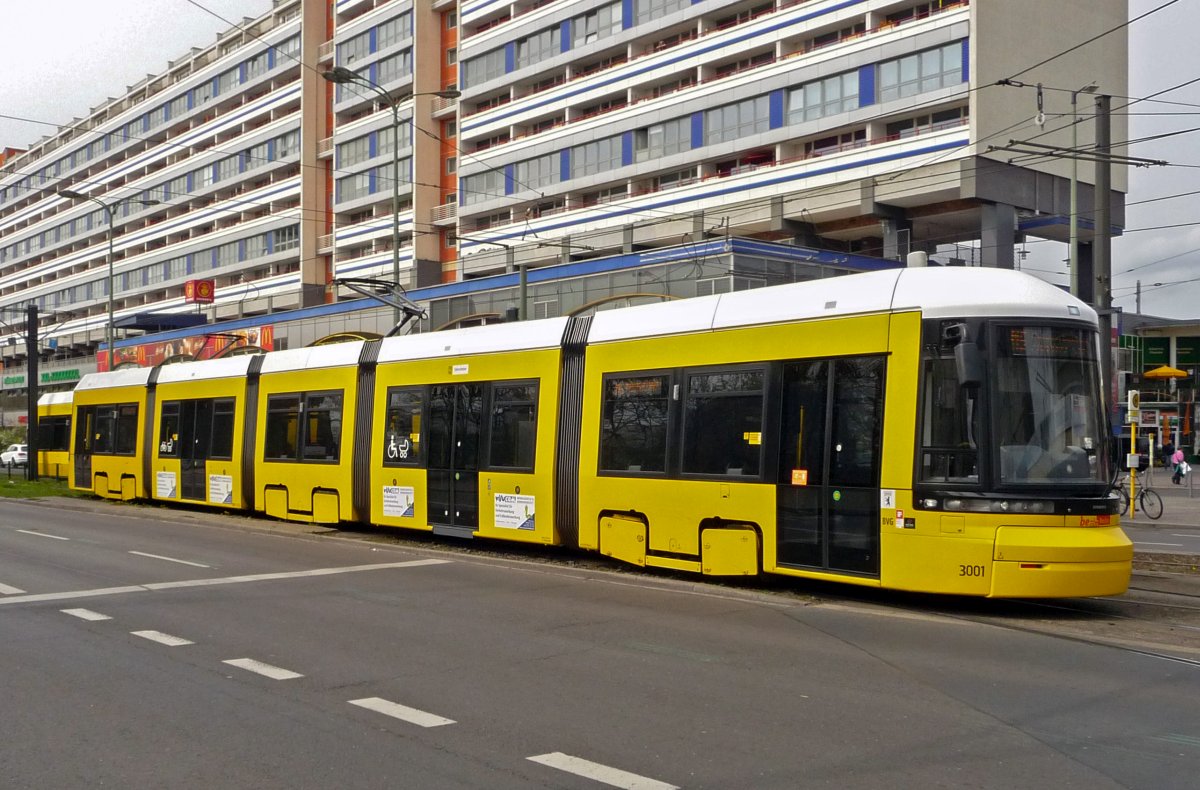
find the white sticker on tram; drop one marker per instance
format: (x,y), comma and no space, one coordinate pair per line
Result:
(401,712)
(614,777)
(163,639)
(266,670)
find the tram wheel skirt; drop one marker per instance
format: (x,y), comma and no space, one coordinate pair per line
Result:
(1058,579)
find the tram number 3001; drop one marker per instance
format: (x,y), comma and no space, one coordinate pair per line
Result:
(971,570)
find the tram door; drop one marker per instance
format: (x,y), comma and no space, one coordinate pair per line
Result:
(195,433)
(85,430)
(455,419)
(829,464)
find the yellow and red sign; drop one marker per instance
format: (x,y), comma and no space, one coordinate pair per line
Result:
(199,291)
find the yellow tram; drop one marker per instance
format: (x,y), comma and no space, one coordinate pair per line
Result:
(922,429)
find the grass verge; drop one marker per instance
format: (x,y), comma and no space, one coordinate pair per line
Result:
(18,487)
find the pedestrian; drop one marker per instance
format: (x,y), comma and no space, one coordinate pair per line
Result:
(1179,465)
(1168,450)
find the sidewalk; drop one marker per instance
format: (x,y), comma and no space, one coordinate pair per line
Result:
(1181,503)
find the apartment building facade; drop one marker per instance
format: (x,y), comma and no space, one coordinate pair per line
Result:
(582,128)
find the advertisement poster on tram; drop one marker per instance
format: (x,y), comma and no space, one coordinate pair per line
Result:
(196,347)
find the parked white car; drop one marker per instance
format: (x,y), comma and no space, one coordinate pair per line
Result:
(15,455)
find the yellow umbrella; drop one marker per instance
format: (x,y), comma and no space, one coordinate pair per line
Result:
(1165,372)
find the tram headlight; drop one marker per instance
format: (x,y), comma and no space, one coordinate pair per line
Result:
(1012,506)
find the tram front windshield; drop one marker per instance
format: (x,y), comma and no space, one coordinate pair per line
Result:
(1031,418)
(1047,409)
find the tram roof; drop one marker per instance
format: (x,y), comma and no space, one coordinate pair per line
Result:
(313,357)
(124,377)
(935,292)
(226,368)
(518,336)
(52,398)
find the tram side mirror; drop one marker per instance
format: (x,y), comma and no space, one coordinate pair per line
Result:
(968,361)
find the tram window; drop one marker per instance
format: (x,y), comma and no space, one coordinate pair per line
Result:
(168,431)
(283,420)
(723,423)
(857,423)
(402,442)
(514,425)
(126,429)
(106,420)
(633,428)
(323,426)
(802,443)
(54,434)
(222,430)
(950,428)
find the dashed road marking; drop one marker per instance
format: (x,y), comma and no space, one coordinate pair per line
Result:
(169,559)
(163,639)
(258,577)
(37,534)
(1148,543)
(86,614)
(275,673)
(8,590)
(613,777)
(402,712)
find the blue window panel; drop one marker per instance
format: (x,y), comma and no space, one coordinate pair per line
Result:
(146,122)
(966,60)
(626,148)
(374,72)
(510,179)
(270,150)
(564,165)
(510,56)
(212,258)
(166,272)
(866,85)
(191,100)
(628,17)
(270,243)
(241,73)
(697,130)
(241,249)
(373,181)
(564,36)
(270,58)
(191,263)
(216,174)
(190,178)
(373,145)
(775,109)
(216,88)
(373,37)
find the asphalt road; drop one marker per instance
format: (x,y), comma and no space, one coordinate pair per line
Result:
(231,657)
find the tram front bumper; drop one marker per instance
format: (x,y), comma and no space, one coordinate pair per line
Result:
(1061,562)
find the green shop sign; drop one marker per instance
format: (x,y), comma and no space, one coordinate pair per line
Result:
(1156,351)
(1187,350)
(14,381)
(57,376)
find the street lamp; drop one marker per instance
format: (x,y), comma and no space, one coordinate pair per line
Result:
(1074,254)
(109,210)
(340,75)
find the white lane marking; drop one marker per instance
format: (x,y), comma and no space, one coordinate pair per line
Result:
(62,596)
(42,534)
(7,590)
(1148,543)
(275,673)
(600,773)
(402,712)
(1177,535)
(163,639)
(86,614)
(169,559)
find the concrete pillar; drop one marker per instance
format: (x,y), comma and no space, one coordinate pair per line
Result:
(997,235)
(897,237)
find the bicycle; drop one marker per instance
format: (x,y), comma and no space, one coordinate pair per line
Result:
(1148,500)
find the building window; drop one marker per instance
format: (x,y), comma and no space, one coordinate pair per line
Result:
(451,56)
(482,186)
(395,67)
(386,135)
(597,24)
(535,173)
(482,68)
(645,10)
(662,139)
(540,46)
(920,73)
(451,164)
(823,97)
(354,151)
(287,238)
(393,30)
(354,49)
(598,156)
(734,121)
(633,423)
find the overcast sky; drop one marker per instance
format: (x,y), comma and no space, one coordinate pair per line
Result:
(61,57)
